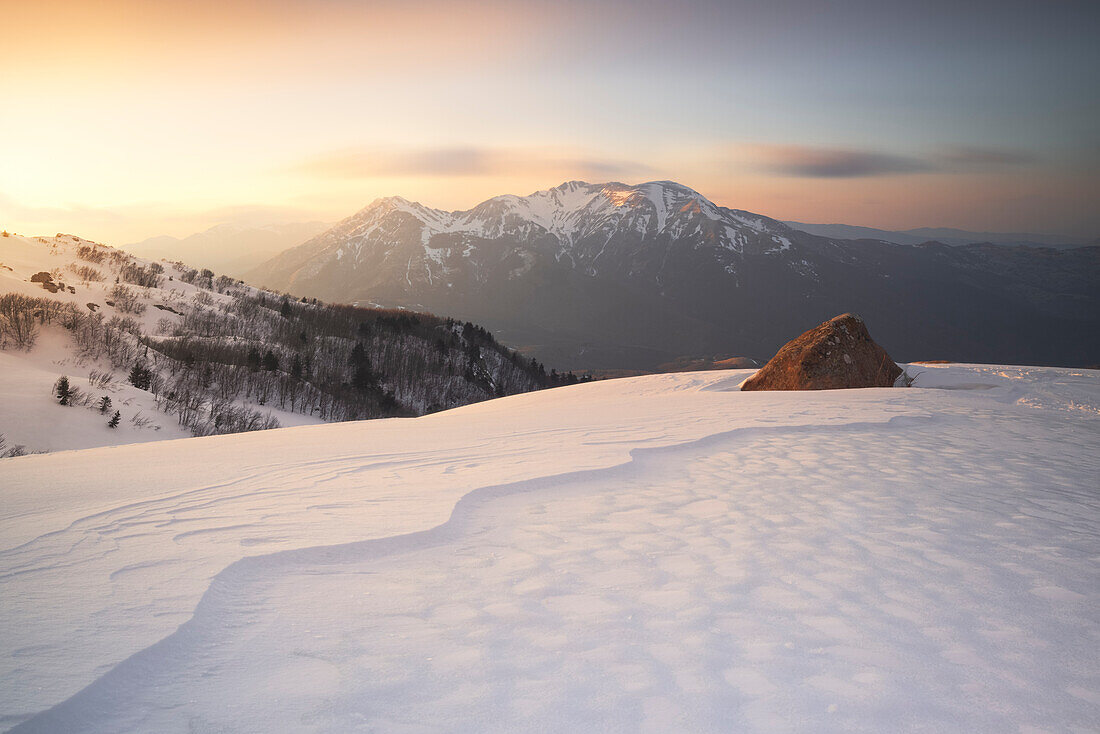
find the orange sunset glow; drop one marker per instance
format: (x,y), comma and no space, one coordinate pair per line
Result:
(130,119)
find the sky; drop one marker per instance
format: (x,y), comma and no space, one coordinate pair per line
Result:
(124,120)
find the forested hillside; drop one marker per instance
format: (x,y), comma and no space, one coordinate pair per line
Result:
(221,356)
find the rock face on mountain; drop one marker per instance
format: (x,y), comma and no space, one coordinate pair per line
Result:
(837,354)
(602,276)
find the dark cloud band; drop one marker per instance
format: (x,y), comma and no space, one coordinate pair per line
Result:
(808,162)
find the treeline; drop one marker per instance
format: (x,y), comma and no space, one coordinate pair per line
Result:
(342,362)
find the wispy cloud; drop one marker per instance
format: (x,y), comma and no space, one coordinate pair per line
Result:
(971,158)
(810,162)
(464,161)
(797,160)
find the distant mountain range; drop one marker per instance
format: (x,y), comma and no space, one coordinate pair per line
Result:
(617,276)
(228,248)
(945,235)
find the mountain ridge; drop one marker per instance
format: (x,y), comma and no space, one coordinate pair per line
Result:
(604,276)
(569,213)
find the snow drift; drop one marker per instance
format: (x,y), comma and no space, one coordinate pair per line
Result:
(653,554)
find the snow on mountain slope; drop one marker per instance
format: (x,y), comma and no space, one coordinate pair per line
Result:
(29,416)
(653,554)
(566,212)
(577,222)
(611,276)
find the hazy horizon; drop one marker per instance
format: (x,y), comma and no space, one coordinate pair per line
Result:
(254,221)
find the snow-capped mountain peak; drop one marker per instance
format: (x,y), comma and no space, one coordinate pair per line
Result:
(564,212)
(633,233)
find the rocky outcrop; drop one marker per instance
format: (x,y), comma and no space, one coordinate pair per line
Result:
(836,354)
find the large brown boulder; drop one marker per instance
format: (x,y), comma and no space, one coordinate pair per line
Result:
(838,353)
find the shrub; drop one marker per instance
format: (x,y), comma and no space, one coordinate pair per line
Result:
(16,450)
(18,325)
(905,379)
(99,379)
(91,253)
(86,273)
(138,275)
(127,300)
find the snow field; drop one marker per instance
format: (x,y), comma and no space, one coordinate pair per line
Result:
(656,554)
(142,529)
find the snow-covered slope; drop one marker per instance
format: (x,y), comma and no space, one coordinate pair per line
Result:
(661,553)
(218,356)
(28,416)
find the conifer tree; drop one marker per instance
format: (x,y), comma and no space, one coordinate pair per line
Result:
(362,377)
(104,404)
(140,376)
(113,423)
(271,362)
(63,391)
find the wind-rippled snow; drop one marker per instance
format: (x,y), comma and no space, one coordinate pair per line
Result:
(656,554)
